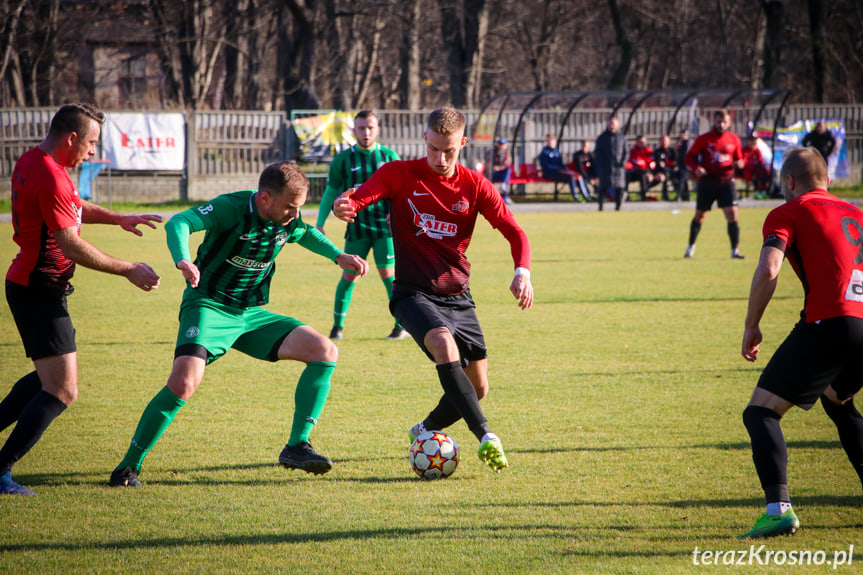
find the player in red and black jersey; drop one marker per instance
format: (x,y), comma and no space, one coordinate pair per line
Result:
(712,158)
(47,214)
(434,205)
(822,357)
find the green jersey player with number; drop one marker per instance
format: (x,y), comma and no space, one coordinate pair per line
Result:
(371,230)
(227,284)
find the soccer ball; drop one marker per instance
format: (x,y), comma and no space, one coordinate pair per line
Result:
(434,455)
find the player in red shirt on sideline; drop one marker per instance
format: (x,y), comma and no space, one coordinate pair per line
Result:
(641,158)
(822,357)
(434,207)
(47,214)
(712,158)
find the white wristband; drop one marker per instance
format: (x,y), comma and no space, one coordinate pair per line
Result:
(522,272)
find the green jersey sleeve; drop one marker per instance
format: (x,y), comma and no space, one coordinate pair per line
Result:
(318,243)
(335,187)
(183,224)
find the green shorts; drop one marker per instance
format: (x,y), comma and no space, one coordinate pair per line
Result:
(383,248)
(216,328)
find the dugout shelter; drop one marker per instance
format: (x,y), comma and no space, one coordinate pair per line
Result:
(524,118)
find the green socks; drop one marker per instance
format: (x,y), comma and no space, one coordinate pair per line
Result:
(309,399)
(344,293)
(157,416)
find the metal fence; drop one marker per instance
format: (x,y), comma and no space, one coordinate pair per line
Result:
(237,143)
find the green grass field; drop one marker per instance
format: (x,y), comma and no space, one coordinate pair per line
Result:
(618,398)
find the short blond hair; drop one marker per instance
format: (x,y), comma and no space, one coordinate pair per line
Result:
(446,121)
(806,166)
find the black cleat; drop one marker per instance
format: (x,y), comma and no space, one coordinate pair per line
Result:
(126,477)
(398,332)
(301,456)
(337,333)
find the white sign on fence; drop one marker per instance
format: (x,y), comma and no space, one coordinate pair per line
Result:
(144,141)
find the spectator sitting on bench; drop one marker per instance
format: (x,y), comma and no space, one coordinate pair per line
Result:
(663,159)
(755,170)
(501,168)
(552,166)
(641,159)
(583,160)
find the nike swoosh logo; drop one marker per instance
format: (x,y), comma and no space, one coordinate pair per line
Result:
(416,193)
(354,169)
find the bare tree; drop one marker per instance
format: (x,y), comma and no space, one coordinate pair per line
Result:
(621,72)
(817,37)
(463,31)
(774,11)
(409,60)
(192,36)
(10,14)
(537,44)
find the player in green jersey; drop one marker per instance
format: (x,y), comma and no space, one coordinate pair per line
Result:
(226,285)
(371,230)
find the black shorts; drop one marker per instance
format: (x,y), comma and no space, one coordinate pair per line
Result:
(709,191)
(813,356)
(42,319)
(419,312)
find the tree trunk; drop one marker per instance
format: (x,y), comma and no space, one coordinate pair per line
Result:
(621,73)
(370,63)
(409,89)
(476,30)
(816,28)
(464,51)
(539,51)
(7,35)
(774,10)
(236,51)
(297,55)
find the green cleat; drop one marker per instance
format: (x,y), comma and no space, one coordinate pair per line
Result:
(773,525)
(491,453)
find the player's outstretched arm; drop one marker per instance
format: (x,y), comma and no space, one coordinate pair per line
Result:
(343,206)
(96,214)
(86,254)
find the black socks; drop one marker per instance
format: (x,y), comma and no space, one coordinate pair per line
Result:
(34,419)
(769,452)
(20,395)
(459,392)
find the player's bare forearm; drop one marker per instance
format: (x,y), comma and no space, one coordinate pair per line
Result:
(352,263)
(764,282)
(86,254)
(190,272)
(96,214)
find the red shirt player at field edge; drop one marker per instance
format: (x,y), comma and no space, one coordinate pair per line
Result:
(434,206)
(822,357)
(47,214)
(712,158)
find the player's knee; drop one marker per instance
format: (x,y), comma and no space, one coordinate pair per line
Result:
(68,395)
(481,390)
(755,416)
(182,385)
(441,345)
(329,351)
